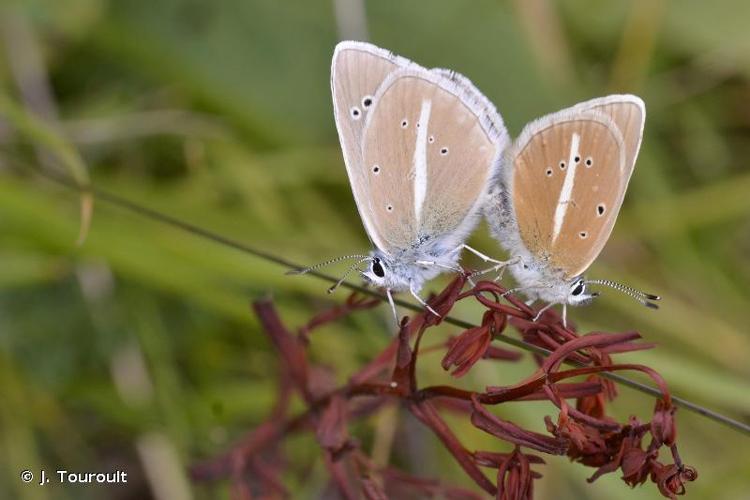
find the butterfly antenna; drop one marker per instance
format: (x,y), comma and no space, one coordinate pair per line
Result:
(326,263)
(642,297)
(347,273)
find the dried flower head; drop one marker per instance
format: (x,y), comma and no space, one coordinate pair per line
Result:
(582,430)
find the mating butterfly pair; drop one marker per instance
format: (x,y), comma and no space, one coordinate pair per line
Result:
(427,154)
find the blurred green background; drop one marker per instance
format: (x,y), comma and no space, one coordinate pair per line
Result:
(137,350)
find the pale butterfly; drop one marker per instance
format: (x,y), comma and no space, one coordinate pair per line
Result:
(420,147)
(560,191)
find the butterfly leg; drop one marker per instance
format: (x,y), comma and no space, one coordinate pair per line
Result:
(482,256)
(444,266)
(500,265)
(541,311)
(511,291)
(424,304)
(565,315)
(531,300)
(393,305)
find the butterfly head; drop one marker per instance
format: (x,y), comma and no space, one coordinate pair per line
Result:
(578,293)
(377,272)
(397,273)
(384,271)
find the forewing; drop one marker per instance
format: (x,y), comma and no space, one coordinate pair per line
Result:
(357,70)
(564,167)
(464,143)
(430,149)
(629,114)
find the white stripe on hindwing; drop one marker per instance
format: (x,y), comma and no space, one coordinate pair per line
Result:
(420,160)
(567,187)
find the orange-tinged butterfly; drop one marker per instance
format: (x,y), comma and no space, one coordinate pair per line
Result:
(560,191)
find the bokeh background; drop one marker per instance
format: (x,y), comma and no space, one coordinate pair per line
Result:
(137,350)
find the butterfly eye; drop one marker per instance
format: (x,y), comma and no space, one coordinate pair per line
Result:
(377,268)
(578,290)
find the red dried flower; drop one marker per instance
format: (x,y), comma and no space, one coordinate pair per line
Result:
(663,427)
(332,430)
(474,344)
(467,349)
(595,405)
(617,445)
(671,478)
(508,431)
(635,465)
(444,301)
(583,431)
(584,440)
(515,478)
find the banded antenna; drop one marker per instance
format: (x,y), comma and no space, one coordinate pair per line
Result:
(642,297)
(327,263)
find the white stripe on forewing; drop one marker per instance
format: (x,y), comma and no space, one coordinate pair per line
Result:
(420,159)
(567,187)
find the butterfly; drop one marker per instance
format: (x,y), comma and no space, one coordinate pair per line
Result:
(421,148)
(559,193)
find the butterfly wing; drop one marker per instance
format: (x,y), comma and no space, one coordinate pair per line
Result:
(357,71)
(629,114)
(568,175)
(430,147)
